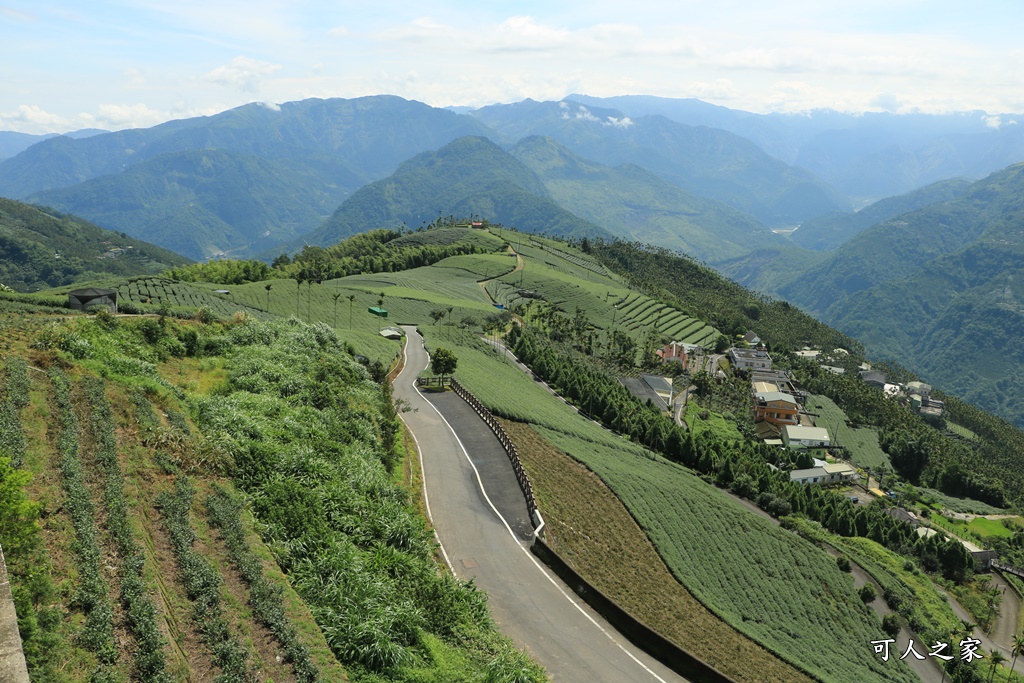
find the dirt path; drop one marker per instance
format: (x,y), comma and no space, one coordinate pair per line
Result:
(1005,627)
(483,283)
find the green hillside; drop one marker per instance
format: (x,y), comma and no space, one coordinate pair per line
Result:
(471,176)
(41,248)
(209,202)
(825,233)
(635,204)
(589,312)
(220,501)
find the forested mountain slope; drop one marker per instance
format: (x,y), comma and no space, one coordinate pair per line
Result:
(40,248)
(470,176)
(936,290)
(210,202)
(635,204)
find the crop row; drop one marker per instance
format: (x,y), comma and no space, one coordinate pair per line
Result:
(149,660)
(154,291)
(91,594)
(264,597)
(202,583)
(12,436)
(575,259)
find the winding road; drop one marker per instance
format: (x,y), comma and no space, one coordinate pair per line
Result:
(529,603)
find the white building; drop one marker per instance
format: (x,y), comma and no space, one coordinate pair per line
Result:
(798,436)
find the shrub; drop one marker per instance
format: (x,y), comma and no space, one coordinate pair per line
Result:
(867,593)
(844,564)
(204,315)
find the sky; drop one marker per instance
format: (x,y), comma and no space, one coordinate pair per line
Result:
(115,64)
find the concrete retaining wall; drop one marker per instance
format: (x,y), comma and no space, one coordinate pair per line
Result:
(645,638)
(12,659)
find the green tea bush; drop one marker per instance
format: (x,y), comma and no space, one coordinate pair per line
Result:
(202,583)
(16,382)
(265,598)
(91,591)
(149,661)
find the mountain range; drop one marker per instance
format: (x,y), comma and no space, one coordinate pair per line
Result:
(865,156)
(925,276)
(334,147)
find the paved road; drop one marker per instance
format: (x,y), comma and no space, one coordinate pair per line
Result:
(529,604)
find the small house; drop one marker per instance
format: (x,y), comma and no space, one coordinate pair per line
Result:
(873,378)
(837,472)
(919,388)
(776,407)
(812,475)
(799,436)
(831,473)
(92,297)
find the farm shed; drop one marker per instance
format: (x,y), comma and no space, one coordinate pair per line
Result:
(84,299)
(832,473)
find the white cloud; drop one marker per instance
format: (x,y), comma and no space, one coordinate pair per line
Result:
(339,31)
(29,118)
(117,116)
(134,77)
(243,73)
(624,122)
(271,106)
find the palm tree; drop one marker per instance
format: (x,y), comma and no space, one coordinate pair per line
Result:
(1018,647)
(336,296)
(300,277)
(267,287)
(997,658)
(351,301)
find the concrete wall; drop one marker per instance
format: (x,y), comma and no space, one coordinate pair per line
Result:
(12,659)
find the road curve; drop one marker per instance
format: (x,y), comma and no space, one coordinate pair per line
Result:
(529,604)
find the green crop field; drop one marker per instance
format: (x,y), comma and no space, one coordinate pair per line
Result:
(862,442)
(961,431)
(767,583)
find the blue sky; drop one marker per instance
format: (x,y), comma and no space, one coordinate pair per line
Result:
(115,64)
